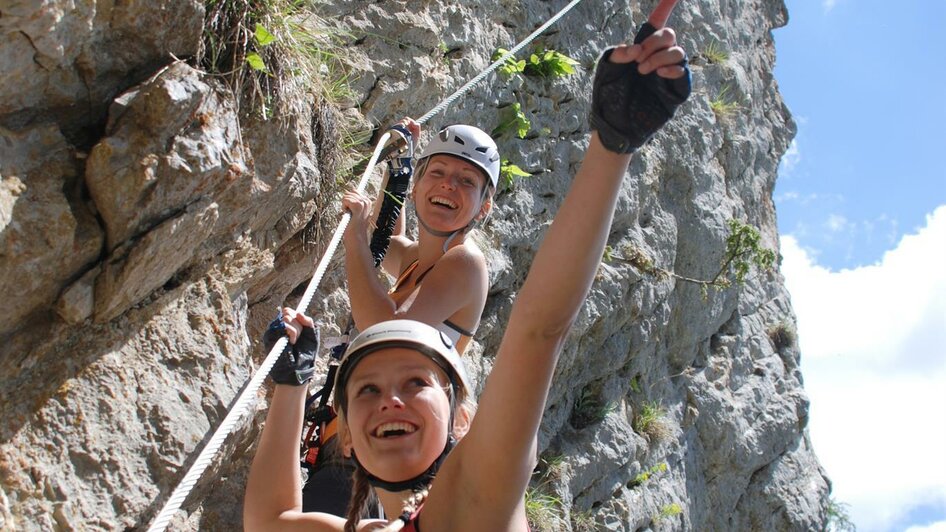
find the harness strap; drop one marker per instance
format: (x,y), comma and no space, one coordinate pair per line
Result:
(400,171)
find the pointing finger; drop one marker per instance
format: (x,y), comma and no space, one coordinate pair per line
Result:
(659,16)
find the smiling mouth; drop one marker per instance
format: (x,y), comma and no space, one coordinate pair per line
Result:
(443,202)
(390,430)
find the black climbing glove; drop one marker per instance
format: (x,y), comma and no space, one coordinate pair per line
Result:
(627,108)
(295,364)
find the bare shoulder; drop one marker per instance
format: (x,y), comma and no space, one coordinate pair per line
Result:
(468,254)
(402,251)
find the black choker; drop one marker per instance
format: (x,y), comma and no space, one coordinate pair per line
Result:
(420,481)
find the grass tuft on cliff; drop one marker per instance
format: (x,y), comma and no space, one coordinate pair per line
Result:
(275,55)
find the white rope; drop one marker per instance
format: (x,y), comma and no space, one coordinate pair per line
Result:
(479,77)
(248,395)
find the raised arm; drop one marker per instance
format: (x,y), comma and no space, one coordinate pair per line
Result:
(513,400)
(273,499)
(400,226)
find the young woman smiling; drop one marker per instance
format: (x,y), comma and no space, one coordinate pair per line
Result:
(441,277)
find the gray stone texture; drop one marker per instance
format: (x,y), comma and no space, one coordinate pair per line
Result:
(148,231)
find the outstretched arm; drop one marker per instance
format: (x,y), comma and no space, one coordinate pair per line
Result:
(513,400)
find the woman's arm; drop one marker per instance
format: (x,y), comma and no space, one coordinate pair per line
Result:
(457,280)
(273,499)
(513,400)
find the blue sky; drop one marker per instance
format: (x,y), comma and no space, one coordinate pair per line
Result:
(861,204)
(867,89)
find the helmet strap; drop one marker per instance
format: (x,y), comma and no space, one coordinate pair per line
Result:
(418,482)
(427,476)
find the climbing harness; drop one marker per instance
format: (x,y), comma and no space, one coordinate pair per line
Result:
(248,396)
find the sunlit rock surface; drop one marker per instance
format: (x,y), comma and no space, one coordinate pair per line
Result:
(148,231)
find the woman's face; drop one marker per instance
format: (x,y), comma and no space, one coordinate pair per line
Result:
(449,193)
(397,413)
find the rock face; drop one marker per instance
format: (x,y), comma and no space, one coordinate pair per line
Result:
(148,229)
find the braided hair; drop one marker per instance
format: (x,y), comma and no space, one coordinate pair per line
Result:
(359,497)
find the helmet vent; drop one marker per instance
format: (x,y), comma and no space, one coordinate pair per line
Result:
(482,149)
(458,140)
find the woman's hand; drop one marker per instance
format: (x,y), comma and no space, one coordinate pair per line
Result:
(295,365)
(659,52)
(294,323)
(411,125)
(361,210)
(637,88)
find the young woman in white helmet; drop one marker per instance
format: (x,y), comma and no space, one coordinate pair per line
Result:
(441,277)
(401,389)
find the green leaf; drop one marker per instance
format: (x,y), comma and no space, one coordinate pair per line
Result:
(509,172)
(262,36)
(255,61)
(512,117)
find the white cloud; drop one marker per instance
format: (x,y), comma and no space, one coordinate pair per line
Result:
(933,527)
(836,223)
(873,343)
(790,160)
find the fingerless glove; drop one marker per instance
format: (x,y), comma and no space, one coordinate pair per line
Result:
(627,108)
(295,365)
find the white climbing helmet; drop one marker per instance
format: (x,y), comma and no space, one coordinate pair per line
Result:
(408,334)
(469,143)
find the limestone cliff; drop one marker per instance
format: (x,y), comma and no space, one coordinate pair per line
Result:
(148,228)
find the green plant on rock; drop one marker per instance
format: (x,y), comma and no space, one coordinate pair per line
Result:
(651,421)
(509,173)
(608,255)
(542,63)
(589,408)
(743,253)
(714,52)
(543,511)
(839,520)
(723,104)
(511,118)
(583,521)
(275,55)
(641,478)
(444,51)
(549,64)
(668,510)
(511,66)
